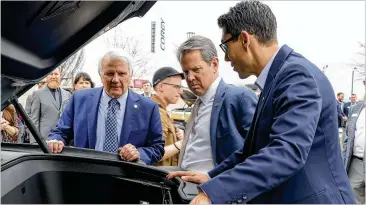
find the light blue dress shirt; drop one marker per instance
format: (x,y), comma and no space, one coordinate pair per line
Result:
(102,117)
(261,80)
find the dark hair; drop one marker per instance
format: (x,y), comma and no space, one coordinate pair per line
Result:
(253,17)
(85,76)
(340,94)
(146,82)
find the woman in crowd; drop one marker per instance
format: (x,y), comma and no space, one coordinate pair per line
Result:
(82,81)
(9,125)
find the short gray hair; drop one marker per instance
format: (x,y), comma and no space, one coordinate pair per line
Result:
(116,54)
(197,42)
(253,17)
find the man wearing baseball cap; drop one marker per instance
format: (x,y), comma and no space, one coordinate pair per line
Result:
(167,85)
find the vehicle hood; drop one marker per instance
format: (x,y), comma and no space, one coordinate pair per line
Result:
(37,36)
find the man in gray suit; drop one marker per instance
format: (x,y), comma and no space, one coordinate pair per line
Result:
(354,150)
(28,102)
(46,103)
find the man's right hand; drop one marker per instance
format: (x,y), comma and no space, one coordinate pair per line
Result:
(55,146)
(190,176)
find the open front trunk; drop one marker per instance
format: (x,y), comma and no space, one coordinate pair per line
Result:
(62,179)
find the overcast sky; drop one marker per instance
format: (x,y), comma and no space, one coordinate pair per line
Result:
(327,33)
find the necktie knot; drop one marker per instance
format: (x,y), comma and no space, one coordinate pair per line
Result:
(113,102)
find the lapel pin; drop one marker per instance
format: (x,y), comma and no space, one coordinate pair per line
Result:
(135,106)
(217,105)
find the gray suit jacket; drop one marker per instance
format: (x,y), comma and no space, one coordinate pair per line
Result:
(45,111)
(349,134)
(28,104)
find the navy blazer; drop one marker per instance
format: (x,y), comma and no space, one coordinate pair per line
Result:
(232,114)
(340,114)
(141,125)
(292,152)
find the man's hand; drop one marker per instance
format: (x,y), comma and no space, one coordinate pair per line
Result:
(345,118)
(201,198)
(190,176)
(55,146)
(129,153)
(179,133)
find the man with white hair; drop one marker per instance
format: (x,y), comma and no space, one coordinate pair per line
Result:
(112,118)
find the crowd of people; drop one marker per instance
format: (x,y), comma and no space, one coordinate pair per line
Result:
(279,147)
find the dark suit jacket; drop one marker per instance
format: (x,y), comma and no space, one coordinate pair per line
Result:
(141,124)
(340,114)
(232,114)
(292,152)
(346,108)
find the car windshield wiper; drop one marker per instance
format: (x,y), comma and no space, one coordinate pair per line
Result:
(37,136)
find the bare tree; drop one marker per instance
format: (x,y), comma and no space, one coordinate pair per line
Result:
(140,58)
(71,66)
(360,64)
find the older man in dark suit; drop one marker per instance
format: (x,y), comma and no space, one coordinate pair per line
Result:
(112,118)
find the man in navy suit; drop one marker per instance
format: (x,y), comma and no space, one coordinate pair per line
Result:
(112,118)
(349,105)
(291,153)
(222,115)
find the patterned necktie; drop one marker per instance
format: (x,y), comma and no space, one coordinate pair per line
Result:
(111,135)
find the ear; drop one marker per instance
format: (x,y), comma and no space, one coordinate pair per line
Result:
(215,64)
(160,87)
(244,37)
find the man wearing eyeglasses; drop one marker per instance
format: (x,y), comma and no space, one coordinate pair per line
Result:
(292,152)
(222,114)
(167,85)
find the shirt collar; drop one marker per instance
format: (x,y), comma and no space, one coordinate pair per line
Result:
(122,99)
(261,80)
(205,98)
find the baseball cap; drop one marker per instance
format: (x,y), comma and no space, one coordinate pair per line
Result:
(163,73)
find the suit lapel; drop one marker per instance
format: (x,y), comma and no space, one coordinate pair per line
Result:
(50,96)
(131,111)
(93,105)
(277,64)
(216,107)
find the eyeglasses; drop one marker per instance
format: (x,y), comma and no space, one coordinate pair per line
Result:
(178,87)
(223,45)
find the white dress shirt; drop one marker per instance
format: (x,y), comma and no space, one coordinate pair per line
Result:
(198,153)
(360,134)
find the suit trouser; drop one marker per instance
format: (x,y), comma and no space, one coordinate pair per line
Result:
(356,176)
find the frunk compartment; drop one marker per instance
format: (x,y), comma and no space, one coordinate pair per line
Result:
(88,188)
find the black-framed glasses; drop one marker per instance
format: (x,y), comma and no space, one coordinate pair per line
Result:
(178,87)
(223,45)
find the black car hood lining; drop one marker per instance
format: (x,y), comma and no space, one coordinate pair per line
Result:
(37,36)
